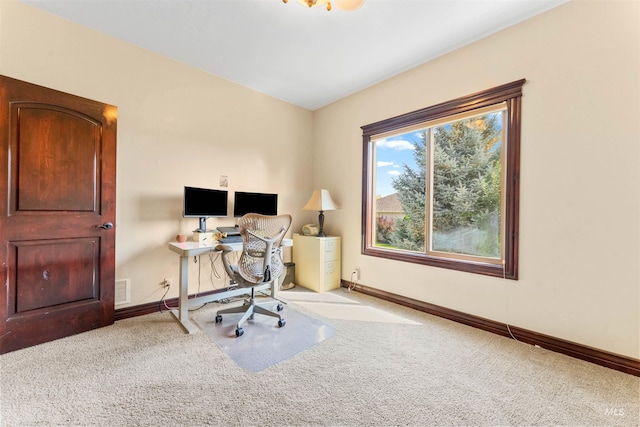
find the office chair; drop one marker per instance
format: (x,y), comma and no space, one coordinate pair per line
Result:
(259,263)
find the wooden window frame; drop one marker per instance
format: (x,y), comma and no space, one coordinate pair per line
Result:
(511,94)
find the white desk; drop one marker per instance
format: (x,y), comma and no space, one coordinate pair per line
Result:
(189,249)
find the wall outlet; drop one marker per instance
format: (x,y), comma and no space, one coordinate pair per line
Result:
(355,274)
(167,282)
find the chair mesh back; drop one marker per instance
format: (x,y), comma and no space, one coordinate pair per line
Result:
(251,263)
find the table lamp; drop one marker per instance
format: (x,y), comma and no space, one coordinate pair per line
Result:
(320,201)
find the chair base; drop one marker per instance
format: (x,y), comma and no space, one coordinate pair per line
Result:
(249,309)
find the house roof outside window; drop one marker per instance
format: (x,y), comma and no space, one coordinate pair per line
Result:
(389,205)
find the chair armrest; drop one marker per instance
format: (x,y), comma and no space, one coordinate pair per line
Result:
(226,249)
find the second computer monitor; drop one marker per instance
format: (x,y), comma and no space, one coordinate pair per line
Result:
(260,203)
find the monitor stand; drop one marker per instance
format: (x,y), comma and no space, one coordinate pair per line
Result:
(202,227)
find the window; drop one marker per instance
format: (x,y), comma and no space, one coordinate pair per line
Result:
(440,185)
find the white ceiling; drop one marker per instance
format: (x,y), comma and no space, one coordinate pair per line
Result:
(308,57)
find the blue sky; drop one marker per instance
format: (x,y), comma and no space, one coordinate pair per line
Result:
(391,153)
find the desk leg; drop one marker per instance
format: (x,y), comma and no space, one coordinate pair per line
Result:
(182,314)
(275,288)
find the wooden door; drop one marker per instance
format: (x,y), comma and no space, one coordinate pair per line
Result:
(57,212)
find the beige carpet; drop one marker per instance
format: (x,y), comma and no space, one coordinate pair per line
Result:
(402,368)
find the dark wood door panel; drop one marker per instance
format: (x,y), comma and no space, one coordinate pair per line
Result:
(57,322)
(54,159)
(49,273)
(55,172)
(57,186)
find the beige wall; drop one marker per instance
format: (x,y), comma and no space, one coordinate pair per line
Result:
(176,126)
(580,187)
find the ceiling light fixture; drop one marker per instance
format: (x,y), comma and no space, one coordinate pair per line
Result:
(347,5)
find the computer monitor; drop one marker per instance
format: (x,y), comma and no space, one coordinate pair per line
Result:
(260,203)
(203,203)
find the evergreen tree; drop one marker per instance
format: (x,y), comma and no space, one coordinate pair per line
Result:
(411,185)
(466,172)
(466,188)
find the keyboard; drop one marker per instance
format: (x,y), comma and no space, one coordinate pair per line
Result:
(232,239)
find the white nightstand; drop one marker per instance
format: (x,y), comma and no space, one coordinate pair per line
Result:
(317,262)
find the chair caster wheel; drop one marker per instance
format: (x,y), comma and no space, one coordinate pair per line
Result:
(282,322)
(239,332)
(218,318)
(280,307)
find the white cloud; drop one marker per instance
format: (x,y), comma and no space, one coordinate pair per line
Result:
(383,164)
(395,144)
(394,173)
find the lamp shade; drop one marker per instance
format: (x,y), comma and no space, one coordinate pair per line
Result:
(320,201)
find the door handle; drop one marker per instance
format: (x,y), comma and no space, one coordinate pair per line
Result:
(106,226)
